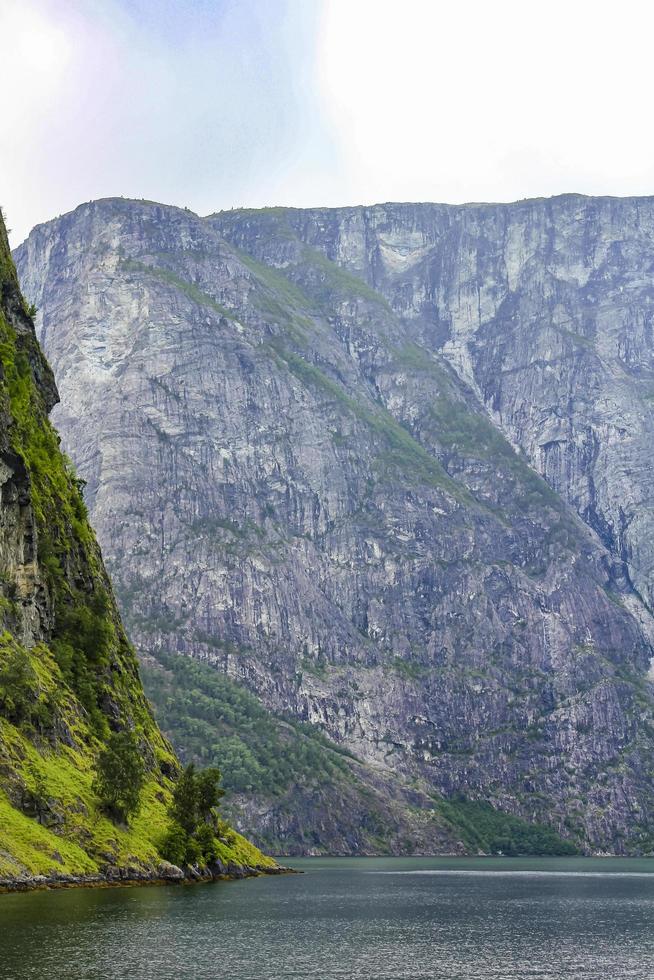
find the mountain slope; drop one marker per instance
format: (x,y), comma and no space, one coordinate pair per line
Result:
(68,676)
(293,484)
(544,307)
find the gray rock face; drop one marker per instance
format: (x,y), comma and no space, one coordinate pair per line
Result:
(545,309)
(312,442)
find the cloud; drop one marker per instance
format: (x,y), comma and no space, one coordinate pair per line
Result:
(205,104)
(219,103)
(473,100)
(35,56)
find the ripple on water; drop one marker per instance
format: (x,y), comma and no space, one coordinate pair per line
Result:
(389,919)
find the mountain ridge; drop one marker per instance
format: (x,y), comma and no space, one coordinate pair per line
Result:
(563,196)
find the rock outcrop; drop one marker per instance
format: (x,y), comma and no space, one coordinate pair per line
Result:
(386,469)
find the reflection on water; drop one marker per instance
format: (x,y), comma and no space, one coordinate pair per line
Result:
(515,873)
(374,919)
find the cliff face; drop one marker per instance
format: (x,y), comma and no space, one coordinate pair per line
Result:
(545,309)
(68,677)
(312,442)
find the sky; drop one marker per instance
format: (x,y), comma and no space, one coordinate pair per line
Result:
(213,104)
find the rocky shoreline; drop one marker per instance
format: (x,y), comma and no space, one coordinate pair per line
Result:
(165,874)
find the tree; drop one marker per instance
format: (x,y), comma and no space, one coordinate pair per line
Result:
(205,839)
(17,683)
(191,835)
(209,792)
(35,800)
(186,798)
(120,776)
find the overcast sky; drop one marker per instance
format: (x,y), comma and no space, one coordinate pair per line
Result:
(224,103)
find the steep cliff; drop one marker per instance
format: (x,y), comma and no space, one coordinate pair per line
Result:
(545,309)
(311,441)
(68,677)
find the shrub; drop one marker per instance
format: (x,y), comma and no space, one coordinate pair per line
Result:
(173,844)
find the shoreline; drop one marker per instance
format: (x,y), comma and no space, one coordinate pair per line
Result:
(130,878)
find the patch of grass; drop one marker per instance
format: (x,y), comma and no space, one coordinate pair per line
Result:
(470,433)
(241,851)
(35,849)
(70,820)
(408,669)
(213,525)
(404,455)
(577,339)
(313,377)
(284,290)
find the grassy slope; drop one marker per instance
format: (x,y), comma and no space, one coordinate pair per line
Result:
(59,698)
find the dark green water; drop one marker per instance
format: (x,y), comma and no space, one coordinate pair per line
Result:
(370,919)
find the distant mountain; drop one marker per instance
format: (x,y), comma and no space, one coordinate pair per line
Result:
(384,474)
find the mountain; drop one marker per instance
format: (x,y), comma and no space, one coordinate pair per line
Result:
(382,473)
(68,676)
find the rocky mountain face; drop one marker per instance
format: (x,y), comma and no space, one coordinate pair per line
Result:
(68,676)
(382,472)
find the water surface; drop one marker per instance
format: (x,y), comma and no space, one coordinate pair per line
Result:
(369,919)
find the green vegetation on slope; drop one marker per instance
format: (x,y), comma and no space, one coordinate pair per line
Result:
(57,695)
(463,432)
(52,818)
(491,831)
(87,639)
(212,720)
(335,279)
